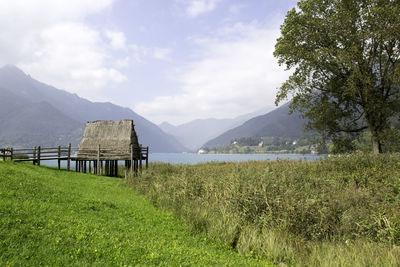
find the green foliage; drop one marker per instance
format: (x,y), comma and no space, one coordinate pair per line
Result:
(343,211)
(346,61)
(249,141)
(59,218)
(363,142)
(343,145)
(391,139)
(390,142)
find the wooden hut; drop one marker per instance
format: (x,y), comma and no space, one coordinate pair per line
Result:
(105,142)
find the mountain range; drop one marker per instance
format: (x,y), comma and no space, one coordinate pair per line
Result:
(34,113)
(196,133)
(277,123)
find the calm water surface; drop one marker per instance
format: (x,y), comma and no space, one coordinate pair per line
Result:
(191,158)
(188,158)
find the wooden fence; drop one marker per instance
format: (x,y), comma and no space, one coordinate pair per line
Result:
(38,154)
(133,157)
(6,153)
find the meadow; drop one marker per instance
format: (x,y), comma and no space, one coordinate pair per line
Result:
(59,218)
(341,211)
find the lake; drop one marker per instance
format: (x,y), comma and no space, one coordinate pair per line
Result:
(191,158)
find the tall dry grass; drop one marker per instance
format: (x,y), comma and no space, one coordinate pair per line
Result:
(341,211)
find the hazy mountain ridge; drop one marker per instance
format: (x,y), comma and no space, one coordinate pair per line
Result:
(275,123)
(23,128)
(70,109)
(39,114)
(196,133)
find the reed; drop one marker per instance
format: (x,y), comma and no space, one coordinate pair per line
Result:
(342,210)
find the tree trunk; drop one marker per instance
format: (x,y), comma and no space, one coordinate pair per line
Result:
(376,144)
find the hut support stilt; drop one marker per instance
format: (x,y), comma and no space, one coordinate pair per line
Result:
(98,160)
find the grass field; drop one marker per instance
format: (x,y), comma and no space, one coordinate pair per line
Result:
(59,218)
(343,211)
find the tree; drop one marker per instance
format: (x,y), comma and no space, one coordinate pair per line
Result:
(346,60)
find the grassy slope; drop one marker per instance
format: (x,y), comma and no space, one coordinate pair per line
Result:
(50,217)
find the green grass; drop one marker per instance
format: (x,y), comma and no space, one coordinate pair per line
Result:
(59,218)
(343,211)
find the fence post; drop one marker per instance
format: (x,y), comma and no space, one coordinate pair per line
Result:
(4,154)
(69,156)
(12,153)
(34,155)
(59,157)
(98,160)
(147,158)
(38,156)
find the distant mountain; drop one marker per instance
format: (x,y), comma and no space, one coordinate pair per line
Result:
(29,124)
(195,133)
(53,107)
(167,127)
(275,123)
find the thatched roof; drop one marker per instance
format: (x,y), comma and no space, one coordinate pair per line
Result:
(110,135)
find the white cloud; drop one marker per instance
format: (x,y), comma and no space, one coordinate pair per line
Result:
(236,8)
(234,74)
(50,40)
(195,8)
(141,53)
(123,62)
(43,12)
(117,39)
(161,53)
(76,63)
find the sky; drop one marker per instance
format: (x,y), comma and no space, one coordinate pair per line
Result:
(167,60)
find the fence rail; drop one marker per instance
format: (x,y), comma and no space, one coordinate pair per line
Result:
(133,157)
(6,153)
(38,154)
